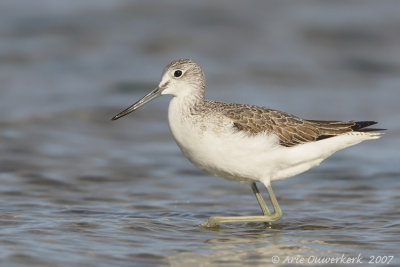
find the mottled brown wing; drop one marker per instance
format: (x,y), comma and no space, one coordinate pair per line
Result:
(290,129)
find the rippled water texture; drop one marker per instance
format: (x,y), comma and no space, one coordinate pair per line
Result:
(79,189)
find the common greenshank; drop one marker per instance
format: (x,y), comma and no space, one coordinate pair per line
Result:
(245,142)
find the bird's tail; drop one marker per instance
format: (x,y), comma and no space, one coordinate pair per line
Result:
(361,126)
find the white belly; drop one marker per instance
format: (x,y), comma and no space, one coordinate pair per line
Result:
(230,156)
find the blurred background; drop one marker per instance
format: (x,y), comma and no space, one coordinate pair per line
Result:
(76,188)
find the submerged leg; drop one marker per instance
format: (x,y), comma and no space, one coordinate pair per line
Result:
(267,217)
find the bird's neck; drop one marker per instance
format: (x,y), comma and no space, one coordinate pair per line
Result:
(191,96)
(187,104)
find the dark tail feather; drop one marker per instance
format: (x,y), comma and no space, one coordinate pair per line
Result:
(360,126)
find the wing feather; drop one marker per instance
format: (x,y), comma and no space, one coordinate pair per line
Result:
(290,129)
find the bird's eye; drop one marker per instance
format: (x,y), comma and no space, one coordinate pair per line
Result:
(178,73)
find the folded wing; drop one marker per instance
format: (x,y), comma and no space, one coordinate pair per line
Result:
(290,129)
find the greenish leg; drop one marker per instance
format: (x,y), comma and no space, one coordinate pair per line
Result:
(260,200)
(266,218)
(275,204)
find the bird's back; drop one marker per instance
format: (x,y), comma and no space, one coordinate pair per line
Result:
(290,129)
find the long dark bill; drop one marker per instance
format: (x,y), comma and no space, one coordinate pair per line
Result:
(147,98)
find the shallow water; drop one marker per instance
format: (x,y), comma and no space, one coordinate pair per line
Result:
(78,189)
